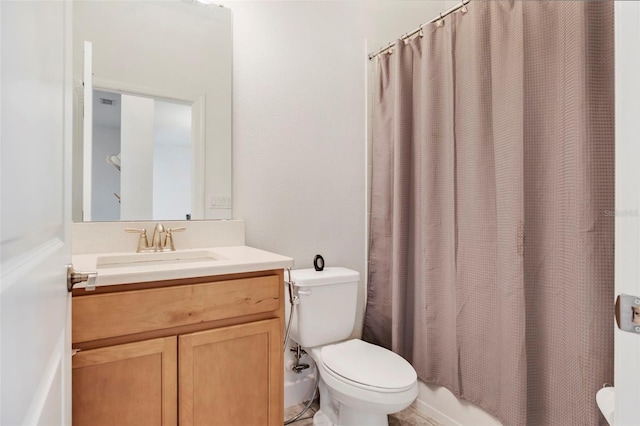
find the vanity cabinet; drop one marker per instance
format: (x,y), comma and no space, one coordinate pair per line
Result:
(198,351)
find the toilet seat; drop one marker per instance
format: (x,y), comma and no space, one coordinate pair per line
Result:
(368,366)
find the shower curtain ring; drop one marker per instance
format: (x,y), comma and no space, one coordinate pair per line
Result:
(440,21)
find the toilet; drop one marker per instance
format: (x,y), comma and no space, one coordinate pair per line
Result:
(360,383)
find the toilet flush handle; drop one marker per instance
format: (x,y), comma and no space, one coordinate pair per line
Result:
(304,292)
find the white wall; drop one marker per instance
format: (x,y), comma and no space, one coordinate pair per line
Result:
(299,122)
(299,129)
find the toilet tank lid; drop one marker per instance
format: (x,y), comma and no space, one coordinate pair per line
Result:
(333,275)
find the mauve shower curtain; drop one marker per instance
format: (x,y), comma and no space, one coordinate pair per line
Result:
(491,261)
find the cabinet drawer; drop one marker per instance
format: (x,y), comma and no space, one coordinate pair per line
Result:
(118,314)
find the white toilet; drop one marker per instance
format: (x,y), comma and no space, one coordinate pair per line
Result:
(360,383)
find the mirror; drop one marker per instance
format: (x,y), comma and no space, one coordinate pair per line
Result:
(127,128)
(159,54)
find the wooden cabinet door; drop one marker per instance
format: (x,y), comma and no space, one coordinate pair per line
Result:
(232,375)
(132,384)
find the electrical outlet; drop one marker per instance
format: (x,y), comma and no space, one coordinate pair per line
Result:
(219,202)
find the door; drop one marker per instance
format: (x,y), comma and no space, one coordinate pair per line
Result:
(627,272)
(35,148)
(127,385)
(232,375)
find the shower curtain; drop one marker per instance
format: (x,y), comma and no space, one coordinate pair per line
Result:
(491,244)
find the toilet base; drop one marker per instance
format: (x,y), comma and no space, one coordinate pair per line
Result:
(333,412)
(321,419)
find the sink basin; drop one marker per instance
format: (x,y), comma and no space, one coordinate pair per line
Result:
(160,258)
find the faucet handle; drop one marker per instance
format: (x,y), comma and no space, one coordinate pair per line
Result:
(143,242)
(133,230)
(168,239)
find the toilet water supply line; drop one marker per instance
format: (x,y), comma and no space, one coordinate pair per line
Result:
(294,300)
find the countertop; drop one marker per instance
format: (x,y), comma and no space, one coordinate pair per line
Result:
(229,260)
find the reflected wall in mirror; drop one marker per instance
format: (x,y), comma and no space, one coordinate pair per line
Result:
(141,158)
(147,51)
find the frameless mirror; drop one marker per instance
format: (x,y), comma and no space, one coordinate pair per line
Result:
(152,111)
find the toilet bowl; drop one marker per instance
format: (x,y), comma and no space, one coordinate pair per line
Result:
(360,383)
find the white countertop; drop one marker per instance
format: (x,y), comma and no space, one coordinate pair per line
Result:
(229,260)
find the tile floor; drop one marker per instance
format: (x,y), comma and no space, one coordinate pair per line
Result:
(408,417)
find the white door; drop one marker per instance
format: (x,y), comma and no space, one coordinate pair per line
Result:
(627,272)
(35,148)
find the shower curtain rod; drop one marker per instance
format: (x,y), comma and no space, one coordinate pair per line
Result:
(417,30)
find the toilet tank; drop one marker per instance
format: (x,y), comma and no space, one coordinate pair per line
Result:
(327,309)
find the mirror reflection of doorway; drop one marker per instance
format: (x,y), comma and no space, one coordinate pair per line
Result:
(141,158)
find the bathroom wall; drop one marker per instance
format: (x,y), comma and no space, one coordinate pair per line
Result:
(300,133)
(300,122)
